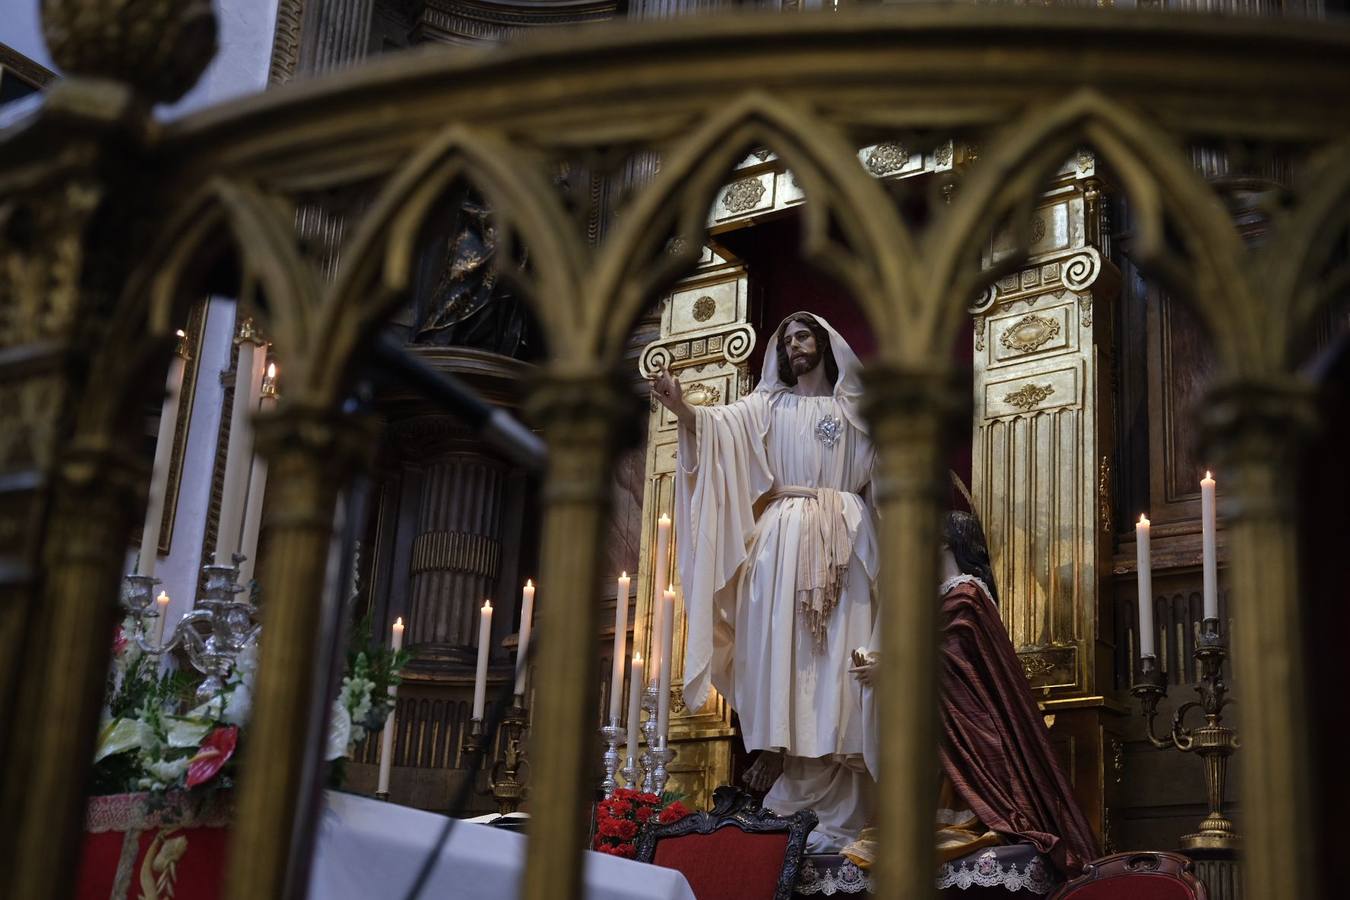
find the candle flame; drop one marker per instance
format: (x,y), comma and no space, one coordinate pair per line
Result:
(529,582)
(664,519)
(487,606)
(623,574)
(181,333)
(163,598)
(1209,476)
(1143,519)
(398,623)
(271,370)
(637,657)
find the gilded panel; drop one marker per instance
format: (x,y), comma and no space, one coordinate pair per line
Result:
(1041,333)
(1032,394)
(706,306)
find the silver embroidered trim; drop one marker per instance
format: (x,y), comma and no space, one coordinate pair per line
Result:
(986,871)
(829,430)
(964,579)
(846,879)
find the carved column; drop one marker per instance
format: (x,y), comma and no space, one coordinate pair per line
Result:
(1257,430)
(456,554)
(96,495)
(581,418)
(311,454)
(911,415)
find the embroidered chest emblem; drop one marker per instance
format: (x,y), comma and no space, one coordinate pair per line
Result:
(829,430)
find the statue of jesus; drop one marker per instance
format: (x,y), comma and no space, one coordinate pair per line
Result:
(778,560)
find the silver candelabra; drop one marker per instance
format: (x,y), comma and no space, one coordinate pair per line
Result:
(212,635)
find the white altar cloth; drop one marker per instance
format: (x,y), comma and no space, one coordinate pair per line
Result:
(372,849)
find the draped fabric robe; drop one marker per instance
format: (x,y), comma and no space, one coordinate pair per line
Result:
(747,633)
(996,749)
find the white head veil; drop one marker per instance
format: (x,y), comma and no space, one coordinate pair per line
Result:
(848,386)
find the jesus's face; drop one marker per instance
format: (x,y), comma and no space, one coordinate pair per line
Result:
(800,344)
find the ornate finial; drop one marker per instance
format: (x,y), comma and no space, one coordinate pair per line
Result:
(181,349)
(249,332)
(158,47)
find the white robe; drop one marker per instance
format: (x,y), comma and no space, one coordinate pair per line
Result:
(746,635)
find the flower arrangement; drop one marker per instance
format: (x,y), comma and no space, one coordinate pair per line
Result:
(153,738)
(620,819)
(363,704)
(157,736)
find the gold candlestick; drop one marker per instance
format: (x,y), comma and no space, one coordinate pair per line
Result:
(1213,741)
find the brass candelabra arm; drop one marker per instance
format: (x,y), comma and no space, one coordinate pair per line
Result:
(504,779)
(1151,687)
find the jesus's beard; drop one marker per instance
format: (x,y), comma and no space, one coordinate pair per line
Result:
(803,363)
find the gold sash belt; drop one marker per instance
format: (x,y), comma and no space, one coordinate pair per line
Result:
(822,555)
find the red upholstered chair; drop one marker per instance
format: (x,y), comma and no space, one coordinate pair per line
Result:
(736,851)
(1135,876)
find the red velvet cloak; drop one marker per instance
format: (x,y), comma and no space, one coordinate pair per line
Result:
(996,749)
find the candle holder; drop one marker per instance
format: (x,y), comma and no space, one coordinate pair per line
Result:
(612,733)
(1213,741)
(508,777)
(662,758)
(648,758)
(632,772)
(212,635)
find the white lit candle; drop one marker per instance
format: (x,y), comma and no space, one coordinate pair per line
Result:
(635,685)
(257,487)
(526,622)
(387,738)
(663,691)
(1211,556)
(480,678)
(248,374)
(620,647)
(162,607)
(660,579)
(1145,566)
(159,474)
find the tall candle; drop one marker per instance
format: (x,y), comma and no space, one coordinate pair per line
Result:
(526,622)
(387,738)
(159,474)
(1145,565)
(663,691)
(620,647)
(257,486)
(239,454)
(635,685)
(1211,556)
(162,607)
(480,678)
(660,580)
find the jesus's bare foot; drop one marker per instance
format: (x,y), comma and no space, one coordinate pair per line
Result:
(764,772)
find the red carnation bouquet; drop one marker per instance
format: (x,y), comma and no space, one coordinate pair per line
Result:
(619,819)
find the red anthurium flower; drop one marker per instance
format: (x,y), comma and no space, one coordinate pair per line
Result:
(214,752)
(119,641)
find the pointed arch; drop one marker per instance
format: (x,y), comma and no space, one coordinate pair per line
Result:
(1158,179)
(878,268)
(377,262)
